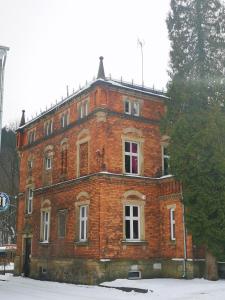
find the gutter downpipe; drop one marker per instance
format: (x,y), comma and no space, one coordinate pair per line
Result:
(185,237)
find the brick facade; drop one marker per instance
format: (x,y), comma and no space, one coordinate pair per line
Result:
(109,161)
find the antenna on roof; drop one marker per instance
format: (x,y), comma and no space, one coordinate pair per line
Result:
(141,44)
(67,91)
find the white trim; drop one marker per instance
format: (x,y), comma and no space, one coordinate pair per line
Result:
(131,219)
(127,112)
(30,201)
(45,226)
(131,155)
(48,163)
(172,224)
(83,220)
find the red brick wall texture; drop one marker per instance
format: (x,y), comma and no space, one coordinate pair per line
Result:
(95,176)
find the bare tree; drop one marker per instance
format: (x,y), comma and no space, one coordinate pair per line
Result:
(9,178)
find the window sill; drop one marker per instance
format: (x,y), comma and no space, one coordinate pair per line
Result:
(138,243)
(82,243)
(28,215)
(44,243)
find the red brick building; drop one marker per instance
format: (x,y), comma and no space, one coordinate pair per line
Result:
(94,203)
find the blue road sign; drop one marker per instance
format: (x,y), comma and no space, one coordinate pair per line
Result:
(4,202)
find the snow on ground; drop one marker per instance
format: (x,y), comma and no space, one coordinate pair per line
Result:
(20,288)
(9,267)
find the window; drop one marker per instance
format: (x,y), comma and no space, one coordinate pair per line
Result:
(136,108)
(63,161)
(62,223)
(83,109)
(172,224)
(83,223)
(64,119)
(29,203)
(131,157)
(45,226)
(48,128)
(132,222)
(127,107)
(31,136)
(30,164)
(132,108)
(165,162)
(48,163)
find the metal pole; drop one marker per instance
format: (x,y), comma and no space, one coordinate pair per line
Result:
(140,43)
(3,54)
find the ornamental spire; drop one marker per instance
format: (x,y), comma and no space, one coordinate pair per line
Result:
(22,122)
(101,72)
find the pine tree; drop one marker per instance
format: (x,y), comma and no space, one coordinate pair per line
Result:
(196,119)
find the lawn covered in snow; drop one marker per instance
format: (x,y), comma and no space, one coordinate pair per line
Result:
(20,288)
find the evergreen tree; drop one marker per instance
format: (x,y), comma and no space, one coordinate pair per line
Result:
(196,119)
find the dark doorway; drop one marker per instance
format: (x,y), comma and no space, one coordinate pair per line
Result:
(26,265)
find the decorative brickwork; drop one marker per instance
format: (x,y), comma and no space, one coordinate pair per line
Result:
(99,175)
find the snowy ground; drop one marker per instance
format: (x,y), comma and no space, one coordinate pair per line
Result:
(19,288)
(9,267)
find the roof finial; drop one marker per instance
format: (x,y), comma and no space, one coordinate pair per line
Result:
(22,121)
(101,72)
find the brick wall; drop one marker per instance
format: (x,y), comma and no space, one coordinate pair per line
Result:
(96,144)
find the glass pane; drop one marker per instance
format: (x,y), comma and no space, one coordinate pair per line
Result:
(46,233)
(127,107)
(127,229)
(136,109)
(134,148)
(82,211)
(82,230)
(173,214)
(134,164)
(135,211)
(127,163)
(127,147)
(127,211)
(174,236)
(165,151)
(30,193)
(166,166)
(135,229)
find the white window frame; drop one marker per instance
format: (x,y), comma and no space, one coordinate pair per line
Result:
(48,163)
(29,201)
(48,128)
(131,154)
(132,218)
(86,108)
(83,220)
(165,157)
(129,107)
(172,224)
(137,104)
(31,136)
(64,120)
(45,226)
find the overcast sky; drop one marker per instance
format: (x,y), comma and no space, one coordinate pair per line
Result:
(55,43)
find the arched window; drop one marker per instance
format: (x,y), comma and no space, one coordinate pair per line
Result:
(133,216)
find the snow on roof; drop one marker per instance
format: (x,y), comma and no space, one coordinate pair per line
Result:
(112,82)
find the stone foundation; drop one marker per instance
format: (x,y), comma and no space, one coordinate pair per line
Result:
(90,271)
